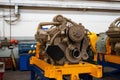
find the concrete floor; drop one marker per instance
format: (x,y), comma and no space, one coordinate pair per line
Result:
(16,75)
(25,75)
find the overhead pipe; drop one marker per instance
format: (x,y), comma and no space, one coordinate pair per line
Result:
(66,6)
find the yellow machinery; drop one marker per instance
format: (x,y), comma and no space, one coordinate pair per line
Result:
(57,72)
(107,43)
(70,42)
(106,47)
(61,50)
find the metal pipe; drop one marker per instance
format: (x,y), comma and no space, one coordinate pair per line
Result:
(56,5)
(16,10)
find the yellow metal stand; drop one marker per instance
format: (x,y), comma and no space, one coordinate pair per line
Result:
(51,71)
(73,70)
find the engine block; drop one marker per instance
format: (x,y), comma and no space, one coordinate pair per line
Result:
(64,42)
(114,35)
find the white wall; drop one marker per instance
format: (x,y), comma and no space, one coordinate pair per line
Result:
(27,25)
(29,20)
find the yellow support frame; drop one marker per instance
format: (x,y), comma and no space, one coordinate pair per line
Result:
(73,70)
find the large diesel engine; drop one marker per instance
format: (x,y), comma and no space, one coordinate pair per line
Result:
(64,42)
(114,35)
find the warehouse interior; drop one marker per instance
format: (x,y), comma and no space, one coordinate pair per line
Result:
(59,39)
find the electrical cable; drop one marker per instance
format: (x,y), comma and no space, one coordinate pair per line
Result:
(10,18)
